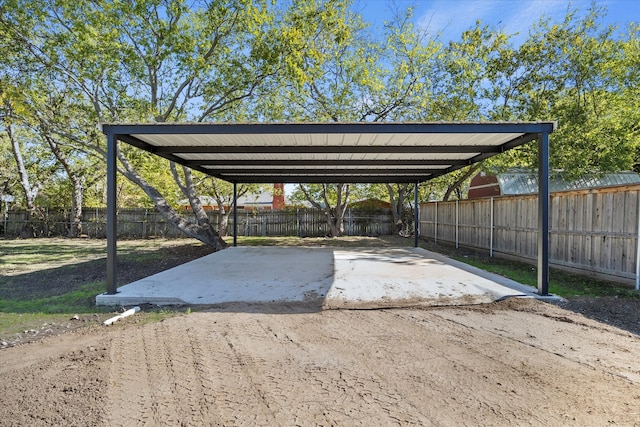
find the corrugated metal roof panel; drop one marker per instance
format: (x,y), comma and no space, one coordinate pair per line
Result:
(513,183)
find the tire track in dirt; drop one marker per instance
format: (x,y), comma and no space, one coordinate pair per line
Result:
(319,389)
(375,367)
(547,376)
(246,368)
(490,376)
(347,396)
(127,401)
(375,344)
(204,406)
(578,339)
(155,378)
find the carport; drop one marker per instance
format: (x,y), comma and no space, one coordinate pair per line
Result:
(330,153)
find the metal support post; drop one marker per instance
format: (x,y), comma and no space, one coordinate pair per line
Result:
(416,215)
(638,245)
(543,214)
(112,220)
(235,214)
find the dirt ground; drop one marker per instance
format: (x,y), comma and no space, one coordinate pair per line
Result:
(516,362)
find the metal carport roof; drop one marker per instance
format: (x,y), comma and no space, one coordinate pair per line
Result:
(330,153)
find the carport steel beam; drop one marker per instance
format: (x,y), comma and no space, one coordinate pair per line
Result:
(527,131)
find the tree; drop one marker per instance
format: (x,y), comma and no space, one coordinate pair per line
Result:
(332,199)
(52,107)
(573,72)
(401,207)
(29,168)
(159,61)
(66,66)
(222,192)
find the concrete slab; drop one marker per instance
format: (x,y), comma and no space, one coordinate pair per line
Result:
(323,277)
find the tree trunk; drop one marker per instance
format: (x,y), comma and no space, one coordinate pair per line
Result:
(398,196)
(77,192)
(341,206)
(225,212)
(456,185)
(335,216)
(223,222)
(30,191)
(77,188)
(201,230)
(223,215)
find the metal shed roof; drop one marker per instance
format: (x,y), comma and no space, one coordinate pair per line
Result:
(526,182)
(327,152)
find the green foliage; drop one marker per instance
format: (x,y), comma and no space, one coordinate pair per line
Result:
(571,72)
(65,66)
(328,194)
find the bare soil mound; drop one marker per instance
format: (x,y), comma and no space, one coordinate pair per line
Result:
(510,363)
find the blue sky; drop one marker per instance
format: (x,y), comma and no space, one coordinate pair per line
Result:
(452,17)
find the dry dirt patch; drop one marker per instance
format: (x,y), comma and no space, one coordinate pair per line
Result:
(509,363)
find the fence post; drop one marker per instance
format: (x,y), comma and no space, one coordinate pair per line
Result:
(491,230)
(144,224)
(435,225)
(457,221)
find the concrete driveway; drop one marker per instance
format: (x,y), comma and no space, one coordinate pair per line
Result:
(321,278)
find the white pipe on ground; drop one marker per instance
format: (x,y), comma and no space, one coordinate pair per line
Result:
(127,313)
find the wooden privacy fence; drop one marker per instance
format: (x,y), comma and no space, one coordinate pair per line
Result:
(591,231)
(144,223)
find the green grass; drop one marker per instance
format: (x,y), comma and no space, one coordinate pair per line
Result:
(34,257)
(14,323)
(560,283)
(27,255)
(80,300)
(340,242)
(32,314)
(18,256)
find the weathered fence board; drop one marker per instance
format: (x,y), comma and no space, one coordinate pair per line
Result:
(143,223)
(592,231)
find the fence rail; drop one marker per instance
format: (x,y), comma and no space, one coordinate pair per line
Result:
(591,231)
(144,223)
